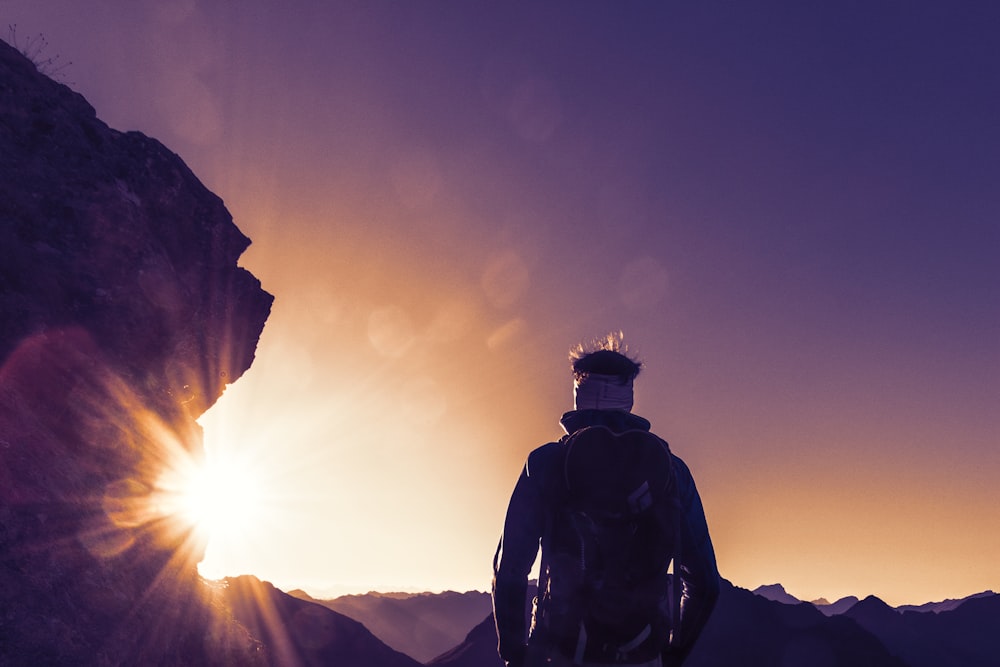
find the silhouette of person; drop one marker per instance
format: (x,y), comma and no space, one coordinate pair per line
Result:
(603,377)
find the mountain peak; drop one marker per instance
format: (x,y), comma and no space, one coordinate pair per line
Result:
(945,605)
(871,610)
(302,595)
(776,593)
(875,602)
(835,608)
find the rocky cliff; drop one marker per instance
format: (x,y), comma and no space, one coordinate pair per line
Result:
(123,316)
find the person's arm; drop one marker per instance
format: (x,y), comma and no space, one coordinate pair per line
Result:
(514,558)
(696,569)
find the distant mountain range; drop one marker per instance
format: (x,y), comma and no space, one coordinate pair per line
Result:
(950,633)
(423,625)
(777,593)
(746,630)
(757,628)
(298,633)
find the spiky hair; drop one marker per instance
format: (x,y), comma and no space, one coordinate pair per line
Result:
(607,355)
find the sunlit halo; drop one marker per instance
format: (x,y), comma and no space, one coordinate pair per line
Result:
(219,498)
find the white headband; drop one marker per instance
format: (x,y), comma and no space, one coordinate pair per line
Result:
(602,392)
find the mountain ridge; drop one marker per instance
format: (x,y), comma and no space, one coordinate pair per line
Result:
(745,629)
(421,625)
(961,637)
(870,634)
(777,593)
(303,633)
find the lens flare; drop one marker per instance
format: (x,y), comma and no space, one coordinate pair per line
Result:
(219,497)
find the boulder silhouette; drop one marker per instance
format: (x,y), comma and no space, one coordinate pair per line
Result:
(123,316)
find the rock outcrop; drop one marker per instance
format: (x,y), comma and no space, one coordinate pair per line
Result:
(123,316)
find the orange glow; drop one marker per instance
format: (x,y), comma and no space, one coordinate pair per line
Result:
(218,497)
(441,215)
(114,432)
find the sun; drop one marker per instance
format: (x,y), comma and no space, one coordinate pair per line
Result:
(219,498)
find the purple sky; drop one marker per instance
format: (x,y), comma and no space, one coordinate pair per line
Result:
(790,208)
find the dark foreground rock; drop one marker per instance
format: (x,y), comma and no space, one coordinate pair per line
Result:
(123,316)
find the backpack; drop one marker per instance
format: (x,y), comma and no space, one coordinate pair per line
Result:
(605,593)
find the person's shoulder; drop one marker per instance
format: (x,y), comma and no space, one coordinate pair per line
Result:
(543,458)
(684,479)
(681,469)
(679,464)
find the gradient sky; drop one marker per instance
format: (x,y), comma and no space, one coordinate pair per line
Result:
(790,208)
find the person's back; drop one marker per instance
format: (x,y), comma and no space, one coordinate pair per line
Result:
(604,593)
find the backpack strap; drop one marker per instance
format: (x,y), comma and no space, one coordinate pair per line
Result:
(553,498)
(675,588)
(581,645)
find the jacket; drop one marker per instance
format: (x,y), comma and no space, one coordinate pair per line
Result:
(523,534)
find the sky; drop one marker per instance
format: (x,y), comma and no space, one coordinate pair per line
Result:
(789,208)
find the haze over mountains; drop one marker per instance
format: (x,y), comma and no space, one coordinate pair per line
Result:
(298,632)
(421,625)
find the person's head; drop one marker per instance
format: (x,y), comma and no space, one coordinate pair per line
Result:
(603,374)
